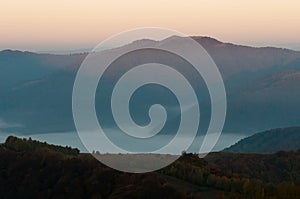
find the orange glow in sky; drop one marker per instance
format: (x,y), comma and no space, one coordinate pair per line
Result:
(67,24)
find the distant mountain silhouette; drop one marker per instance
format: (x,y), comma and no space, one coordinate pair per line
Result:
(17,67)
(282,139)
(261,85)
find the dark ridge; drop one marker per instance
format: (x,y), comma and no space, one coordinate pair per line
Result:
(34,174)
(271,141)
(28,145)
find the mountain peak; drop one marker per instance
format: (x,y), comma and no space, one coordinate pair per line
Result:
(206,40)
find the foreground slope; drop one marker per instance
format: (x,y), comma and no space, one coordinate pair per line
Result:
(53,173)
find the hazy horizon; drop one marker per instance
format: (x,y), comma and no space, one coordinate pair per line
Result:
(292,46)
(67,25)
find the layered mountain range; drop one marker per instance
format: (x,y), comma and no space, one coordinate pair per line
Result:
(261,85)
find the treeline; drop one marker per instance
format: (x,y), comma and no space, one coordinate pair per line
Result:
(274,168)
(31,169)
(29,145)
(46,175)
(233,186)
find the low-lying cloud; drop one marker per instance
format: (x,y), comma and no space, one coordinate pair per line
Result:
(6,125)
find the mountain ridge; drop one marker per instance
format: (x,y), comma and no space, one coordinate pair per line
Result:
(195,37)
(252,106)
(271,141)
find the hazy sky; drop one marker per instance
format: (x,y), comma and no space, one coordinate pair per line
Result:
(71,24)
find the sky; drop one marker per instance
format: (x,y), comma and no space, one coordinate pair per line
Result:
(75,24)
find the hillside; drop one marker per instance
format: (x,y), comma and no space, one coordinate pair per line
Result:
(282,139)
(44,174)
(18,67)
(22,145)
